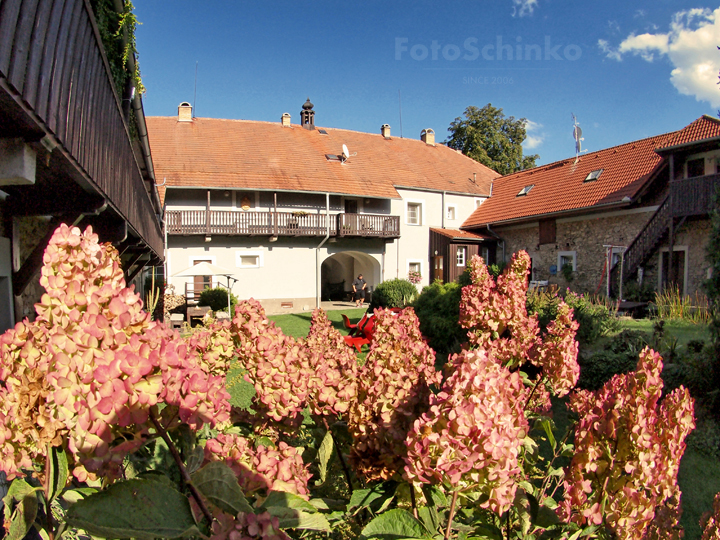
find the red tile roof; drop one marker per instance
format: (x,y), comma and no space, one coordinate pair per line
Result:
(705,127)
(561,186)
(214,153)
(457,234)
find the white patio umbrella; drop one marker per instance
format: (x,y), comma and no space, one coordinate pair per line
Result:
(207,269)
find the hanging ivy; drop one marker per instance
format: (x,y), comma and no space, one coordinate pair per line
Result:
(117,31)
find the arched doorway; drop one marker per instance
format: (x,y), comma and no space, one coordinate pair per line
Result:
(340,269)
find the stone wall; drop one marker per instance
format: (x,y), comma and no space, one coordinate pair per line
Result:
(30,231)
(585,237)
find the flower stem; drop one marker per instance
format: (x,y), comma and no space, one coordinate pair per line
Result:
(412,500)
(48,502)
(183,471)
(339,455)
(451,515)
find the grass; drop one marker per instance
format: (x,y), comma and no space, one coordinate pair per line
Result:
(297,325)
(681,330)
(699,481)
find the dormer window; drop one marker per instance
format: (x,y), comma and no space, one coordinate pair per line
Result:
(593,175)
(524,191)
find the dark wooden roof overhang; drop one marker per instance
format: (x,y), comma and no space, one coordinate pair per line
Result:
(57,96)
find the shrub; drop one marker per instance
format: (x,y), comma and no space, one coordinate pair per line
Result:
(634,292)
(393,293)
(595,315)
(217,299)
(438,308)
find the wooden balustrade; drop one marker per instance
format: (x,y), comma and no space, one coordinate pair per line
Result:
(241,223)
(694,196)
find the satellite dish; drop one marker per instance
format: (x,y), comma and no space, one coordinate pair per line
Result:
(577,133)
(345,152)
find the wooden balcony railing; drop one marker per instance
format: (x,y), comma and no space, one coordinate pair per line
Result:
(694,196)
(239,223)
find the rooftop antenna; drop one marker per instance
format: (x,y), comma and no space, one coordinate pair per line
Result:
(195,95)
(577,135)
(400,105)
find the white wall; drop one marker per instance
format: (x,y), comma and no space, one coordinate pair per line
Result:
(414,242)
(288,267)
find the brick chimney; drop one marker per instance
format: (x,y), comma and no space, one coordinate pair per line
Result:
(385,130)
(428,136)
(185,112)
(285,120)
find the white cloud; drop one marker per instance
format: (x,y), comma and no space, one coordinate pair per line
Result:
(611,53)
(690,45)
(533,137)
(521,8)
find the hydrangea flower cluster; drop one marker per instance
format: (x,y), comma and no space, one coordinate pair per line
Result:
(277,365)
(710,522)
(92,365)
(261,468)
(333,368)
(628,449)
(247,527)
(496,314)
(215,347)
(471,437)
(393,390)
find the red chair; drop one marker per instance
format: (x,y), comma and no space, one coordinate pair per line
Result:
(350,326)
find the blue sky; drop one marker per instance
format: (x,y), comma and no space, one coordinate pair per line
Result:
(627,70)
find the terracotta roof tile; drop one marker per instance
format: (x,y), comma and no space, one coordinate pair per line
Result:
(219,153)
(705,127)
(561,186)
(458,234)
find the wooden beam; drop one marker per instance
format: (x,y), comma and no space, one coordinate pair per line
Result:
(32,264)
(129,264)
(52,203)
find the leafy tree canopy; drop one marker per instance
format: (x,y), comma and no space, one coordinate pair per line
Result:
(488,136)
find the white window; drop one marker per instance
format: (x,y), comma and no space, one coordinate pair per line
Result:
(414,266)
(248,259)
(450,212)
(414,213)
(567,257)
(478,202)
(461,256)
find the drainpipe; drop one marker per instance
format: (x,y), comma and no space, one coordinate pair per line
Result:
(442,215)
(137,106)
(318,269)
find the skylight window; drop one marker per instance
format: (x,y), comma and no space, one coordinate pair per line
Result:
(593,175)
(524,191)
(322,132)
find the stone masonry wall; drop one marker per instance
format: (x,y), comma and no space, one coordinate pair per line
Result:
(31,230)
(586,238)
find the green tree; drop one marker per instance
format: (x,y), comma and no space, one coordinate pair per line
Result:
(488,136)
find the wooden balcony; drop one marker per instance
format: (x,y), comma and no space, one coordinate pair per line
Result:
(694,196)
(240,223)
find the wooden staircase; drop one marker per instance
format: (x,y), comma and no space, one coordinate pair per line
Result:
(644,244)
(687,198)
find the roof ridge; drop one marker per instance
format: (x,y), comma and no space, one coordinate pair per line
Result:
(565,161)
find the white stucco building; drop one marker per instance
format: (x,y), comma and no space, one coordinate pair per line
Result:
(297,211)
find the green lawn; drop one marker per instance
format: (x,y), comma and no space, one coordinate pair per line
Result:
(683,331)
(297,325)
